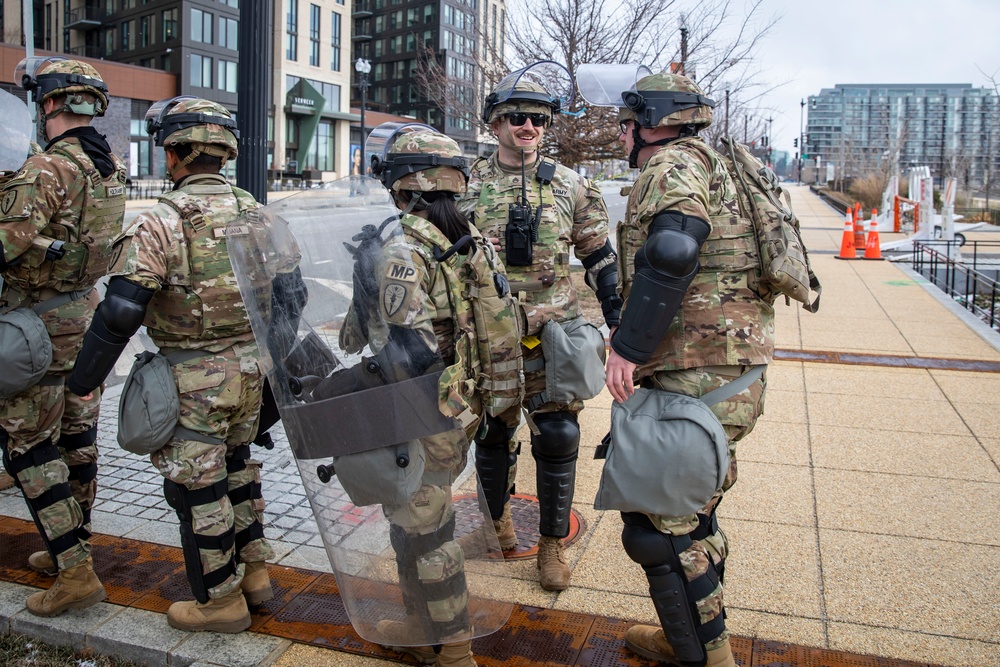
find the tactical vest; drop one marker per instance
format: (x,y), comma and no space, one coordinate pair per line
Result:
(722,319)
(87,239)
(206,304)
(543,289)
(486,326)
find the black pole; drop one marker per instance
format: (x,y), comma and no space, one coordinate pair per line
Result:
(684,50)
(802,143)
(727,112)
(363,85)
(253,82)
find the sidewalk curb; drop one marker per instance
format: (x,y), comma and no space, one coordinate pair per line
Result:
(136,635)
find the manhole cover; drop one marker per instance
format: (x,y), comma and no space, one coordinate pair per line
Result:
(524,510)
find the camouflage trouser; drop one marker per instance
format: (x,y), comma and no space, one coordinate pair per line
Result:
(57,430)
(738,416)
(220,397)
(431,564)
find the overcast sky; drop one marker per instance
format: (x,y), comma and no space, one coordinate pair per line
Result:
(818,44)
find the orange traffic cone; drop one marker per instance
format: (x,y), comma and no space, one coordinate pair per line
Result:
(873,249)
(859,227)
(847,248)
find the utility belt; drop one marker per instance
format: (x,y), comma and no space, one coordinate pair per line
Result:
(25,345)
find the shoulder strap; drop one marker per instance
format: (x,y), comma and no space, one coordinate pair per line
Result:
(60,299)
(730,389)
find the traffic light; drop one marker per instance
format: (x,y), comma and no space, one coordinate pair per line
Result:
(795,142)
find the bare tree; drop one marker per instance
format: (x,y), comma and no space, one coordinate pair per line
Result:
(575,32)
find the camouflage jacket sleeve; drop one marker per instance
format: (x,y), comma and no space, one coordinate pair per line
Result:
(406,292)
(676,178)
(150,248)
(467,204)
(590,217)
(44,186)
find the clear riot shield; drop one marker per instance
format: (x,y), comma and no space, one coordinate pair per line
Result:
(359,402)
(15,139)
(555,78)
(603,85)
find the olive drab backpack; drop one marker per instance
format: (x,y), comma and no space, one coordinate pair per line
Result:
(785,269)
(494,362)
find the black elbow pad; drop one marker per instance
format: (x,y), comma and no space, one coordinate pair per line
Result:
(118,317)
(664,268)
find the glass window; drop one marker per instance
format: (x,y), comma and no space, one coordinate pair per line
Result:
(201,71)
(146,30)
(314,17)
(320,153)
(227,76)
(229,30)
(335,42)
(201,26)
(169,19)
(292,30)
(127,35)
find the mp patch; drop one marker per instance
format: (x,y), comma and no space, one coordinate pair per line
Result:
(393,299)
(8,201)
(404,273)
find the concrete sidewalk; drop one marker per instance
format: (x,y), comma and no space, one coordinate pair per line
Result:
(865,518)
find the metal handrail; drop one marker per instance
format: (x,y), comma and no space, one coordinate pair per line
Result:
(962,280)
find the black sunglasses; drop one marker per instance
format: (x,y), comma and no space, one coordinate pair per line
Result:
(519,119)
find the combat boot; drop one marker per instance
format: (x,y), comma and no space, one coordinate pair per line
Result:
(226,614)
(76,587)
(553,572)
(504,528)
(41,562)
(256,584)
(649,642)
(397,633)
(458,654)
(6,481)
(477,543)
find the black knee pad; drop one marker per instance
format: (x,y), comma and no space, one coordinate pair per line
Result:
(493,462)
(182,500)
(558,439)
(674,597)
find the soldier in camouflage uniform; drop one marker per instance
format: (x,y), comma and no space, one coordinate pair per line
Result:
(691,259)
(434,313)
(173,274)
(58,217)
(573,217)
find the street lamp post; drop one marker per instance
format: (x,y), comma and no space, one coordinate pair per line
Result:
(363,67)
(802,146)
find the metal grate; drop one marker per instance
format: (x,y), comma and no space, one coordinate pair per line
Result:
(524,511)
(307,608)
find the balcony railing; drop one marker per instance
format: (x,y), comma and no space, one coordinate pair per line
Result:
(95,52)
(963,281)
(87,18)
(362,8)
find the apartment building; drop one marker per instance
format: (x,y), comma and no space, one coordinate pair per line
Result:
(952,128)
(431,60)
(197,41)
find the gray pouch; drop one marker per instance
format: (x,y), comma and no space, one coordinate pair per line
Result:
(668,455)
(149,407)
(26,351)
(374,477)
(574,360)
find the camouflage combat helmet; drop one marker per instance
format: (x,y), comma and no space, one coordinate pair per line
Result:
(526,97)
(207,125)
(664,99)
(51,76)
(421,159)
